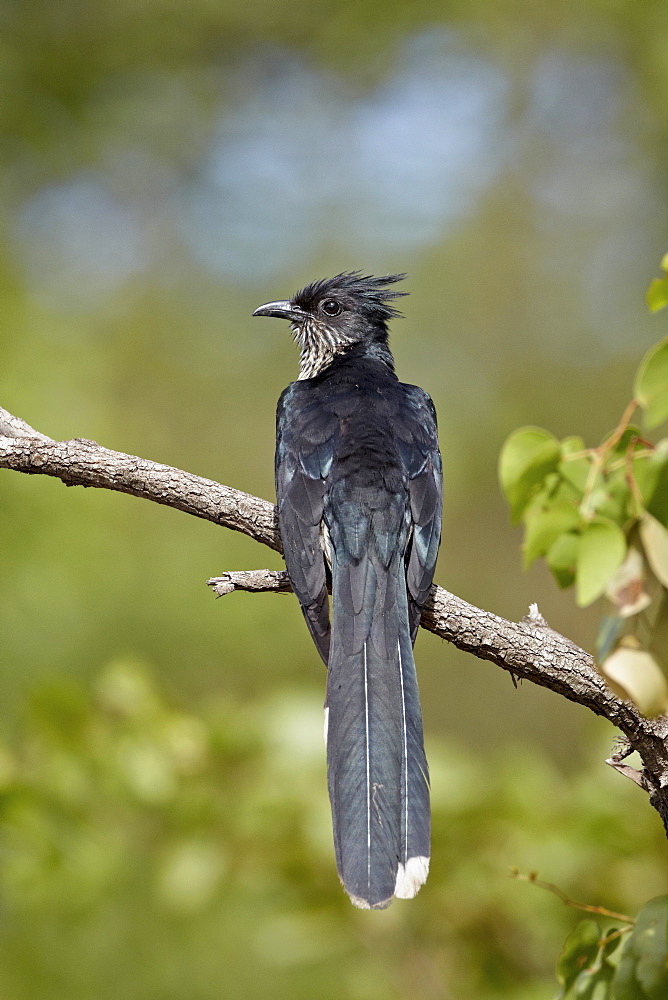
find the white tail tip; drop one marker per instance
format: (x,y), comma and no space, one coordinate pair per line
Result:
(411,876)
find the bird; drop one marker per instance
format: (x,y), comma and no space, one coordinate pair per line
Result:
(359,495)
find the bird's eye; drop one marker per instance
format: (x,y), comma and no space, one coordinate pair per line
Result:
(331,307)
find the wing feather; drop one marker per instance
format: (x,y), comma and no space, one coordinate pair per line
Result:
(305,442)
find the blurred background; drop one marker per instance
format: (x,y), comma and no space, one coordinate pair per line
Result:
(167,167)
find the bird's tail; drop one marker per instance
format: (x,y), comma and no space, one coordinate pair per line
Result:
(377,769)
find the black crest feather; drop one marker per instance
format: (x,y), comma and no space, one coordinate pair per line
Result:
(368,292)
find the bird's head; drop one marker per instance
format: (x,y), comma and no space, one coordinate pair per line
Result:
(331,316)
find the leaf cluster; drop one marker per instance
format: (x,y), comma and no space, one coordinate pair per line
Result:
(599,518)
(627,963)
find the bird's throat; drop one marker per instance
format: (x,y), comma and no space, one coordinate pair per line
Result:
(319,348)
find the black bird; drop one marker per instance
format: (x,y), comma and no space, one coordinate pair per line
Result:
(358,482)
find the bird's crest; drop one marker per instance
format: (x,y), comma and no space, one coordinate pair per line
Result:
(371,293)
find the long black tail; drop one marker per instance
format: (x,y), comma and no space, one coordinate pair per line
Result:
(377,769)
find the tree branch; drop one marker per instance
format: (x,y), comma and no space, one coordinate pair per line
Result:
(528,649)
(80,462)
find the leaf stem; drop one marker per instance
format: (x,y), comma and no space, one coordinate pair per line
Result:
(619,429)
(599,456)
(631,480)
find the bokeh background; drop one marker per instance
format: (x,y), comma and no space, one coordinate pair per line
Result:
(167,167)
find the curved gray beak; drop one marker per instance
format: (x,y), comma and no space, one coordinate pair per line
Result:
(282,310)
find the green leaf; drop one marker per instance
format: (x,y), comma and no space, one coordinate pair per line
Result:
(643,969)
(579,952)
(658,504)
(527,457)
(601,551)
(543,527)
(594,984)
(626,440)
(596,981)
(610,499)
(654,538)
(656,296)
(573,444)
(651,384)
(562,559)
(612,949)
(576,472)
(650,472)
(657,643)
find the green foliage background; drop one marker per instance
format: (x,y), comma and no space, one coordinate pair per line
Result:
(164,829)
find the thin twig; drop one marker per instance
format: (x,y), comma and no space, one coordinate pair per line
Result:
(601,911)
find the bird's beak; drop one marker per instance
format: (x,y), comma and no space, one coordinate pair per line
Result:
(283,310)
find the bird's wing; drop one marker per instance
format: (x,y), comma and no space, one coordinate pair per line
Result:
(305,442)
(417,441)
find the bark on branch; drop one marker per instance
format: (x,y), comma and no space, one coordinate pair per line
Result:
(528,649)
